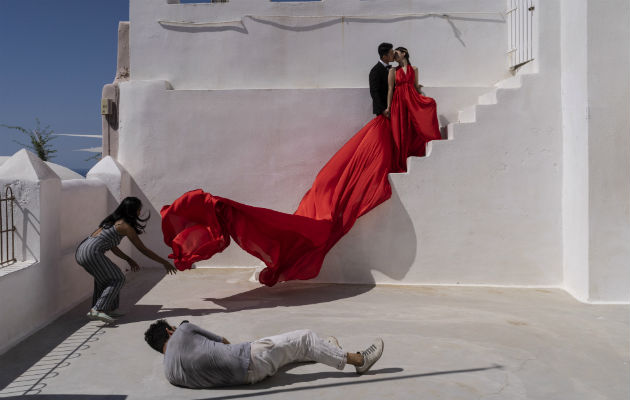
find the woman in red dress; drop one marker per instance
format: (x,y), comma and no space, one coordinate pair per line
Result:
(414,116)
(293,246)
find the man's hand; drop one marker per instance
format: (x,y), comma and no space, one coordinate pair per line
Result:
(134,265)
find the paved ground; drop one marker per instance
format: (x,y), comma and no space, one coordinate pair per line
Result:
(440,342)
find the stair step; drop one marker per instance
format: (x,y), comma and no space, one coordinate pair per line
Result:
(450,131)
(513,82)
(467,115)
(429,148)
(488,98)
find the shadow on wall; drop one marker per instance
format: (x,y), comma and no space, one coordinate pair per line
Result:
(337,20)
(370,245)
(153,233)
(29,222)
(239,26)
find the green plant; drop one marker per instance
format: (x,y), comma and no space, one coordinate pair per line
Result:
(40,140)
(96,156)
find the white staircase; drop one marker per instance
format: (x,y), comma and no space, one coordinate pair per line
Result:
(482,208)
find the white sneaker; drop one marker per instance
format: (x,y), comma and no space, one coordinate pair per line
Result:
(333,341)
(371,355)
(95,315)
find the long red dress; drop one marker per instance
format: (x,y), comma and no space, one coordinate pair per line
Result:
(414,119)
(293,246)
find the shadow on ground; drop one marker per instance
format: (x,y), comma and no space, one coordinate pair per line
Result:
(282,378)
(58,343)
(289,294)
(71,397)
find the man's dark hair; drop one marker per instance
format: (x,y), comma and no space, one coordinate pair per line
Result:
(384,48)
(156,335)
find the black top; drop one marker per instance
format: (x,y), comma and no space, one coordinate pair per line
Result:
(379,87)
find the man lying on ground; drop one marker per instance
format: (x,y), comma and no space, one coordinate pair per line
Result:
(196,358)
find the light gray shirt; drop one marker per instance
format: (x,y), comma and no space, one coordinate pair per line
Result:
(196,358)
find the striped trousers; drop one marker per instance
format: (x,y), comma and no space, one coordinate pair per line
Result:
(108,278)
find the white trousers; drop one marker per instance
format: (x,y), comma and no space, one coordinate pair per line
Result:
(270,353)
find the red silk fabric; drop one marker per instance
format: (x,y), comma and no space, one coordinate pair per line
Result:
(293,246)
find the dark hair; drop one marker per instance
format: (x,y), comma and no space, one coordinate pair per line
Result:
(406,53)
(156,335)
(384,48)
(127,211)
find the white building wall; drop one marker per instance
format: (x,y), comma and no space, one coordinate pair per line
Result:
(264,51)
(52,218)
(265,147)
(575,197)
(252,109)
(609,149)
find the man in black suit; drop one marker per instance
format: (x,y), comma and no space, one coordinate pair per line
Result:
(378,79)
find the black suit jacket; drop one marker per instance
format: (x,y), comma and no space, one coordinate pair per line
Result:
(378,88)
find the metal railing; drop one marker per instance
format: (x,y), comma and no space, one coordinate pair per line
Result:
(7,230)
(520,32)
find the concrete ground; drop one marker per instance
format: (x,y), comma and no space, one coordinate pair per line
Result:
(440,342)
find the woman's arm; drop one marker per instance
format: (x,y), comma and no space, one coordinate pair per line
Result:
(134,265)
(418,87)
(391,80)
(120,254)
(133,237)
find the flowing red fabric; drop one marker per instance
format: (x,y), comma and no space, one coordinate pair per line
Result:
(293,246)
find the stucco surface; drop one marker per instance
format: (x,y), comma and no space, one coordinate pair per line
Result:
(269,48)
(440,342)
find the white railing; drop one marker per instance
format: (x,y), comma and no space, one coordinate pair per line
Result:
(520,32)
(7,229)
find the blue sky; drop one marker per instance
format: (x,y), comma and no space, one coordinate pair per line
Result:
(55,57)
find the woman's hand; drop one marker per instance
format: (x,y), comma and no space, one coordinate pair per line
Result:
(134,265)
(169,267)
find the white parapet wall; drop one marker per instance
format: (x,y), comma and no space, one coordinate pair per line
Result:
(52,216)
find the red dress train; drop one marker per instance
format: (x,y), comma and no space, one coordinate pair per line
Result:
(293,246)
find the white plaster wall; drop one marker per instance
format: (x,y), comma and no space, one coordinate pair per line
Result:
(575,197)
(33,184)
(485,208)
(173,141)
(465,50)
(525,195)
(52,217)
(609,149)
(83,207)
